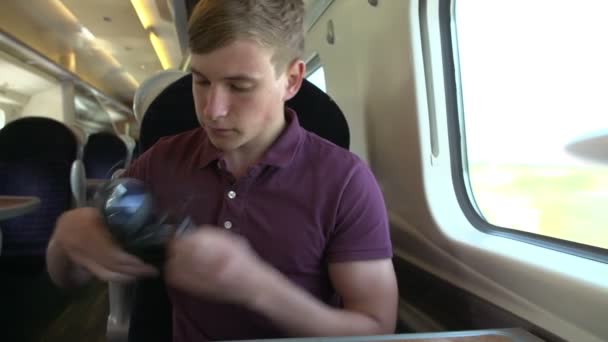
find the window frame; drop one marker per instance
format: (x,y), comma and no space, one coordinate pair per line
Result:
(313,64)
(457,148)
(2,118)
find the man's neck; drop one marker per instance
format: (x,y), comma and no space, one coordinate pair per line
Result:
(240,160)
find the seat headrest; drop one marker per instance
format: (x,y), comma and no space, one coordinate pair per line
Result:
(101,152)
(103,143)
(173,112)
(37,138)
(318,113)
(35,158)
(151,88)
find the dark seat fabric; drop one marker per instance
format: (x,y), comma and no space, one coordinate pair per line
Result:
(318,113)
(35,158)
(151,319)
(173,112)
(49,181)
(102,152)
(37,138)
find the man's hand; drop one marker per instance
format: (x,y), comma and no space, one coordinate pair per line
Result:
(216,264)
(81,239)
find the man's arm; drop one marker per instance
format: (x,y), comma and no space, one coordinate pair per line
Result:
(62,271)
(81,247)
(213,263)
(360,268)
(368,290)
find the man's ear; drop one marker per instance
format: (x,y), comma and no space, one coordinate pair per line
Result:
(295,74)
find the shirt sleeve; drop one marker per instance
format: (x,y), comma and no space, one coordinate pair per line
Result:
(362,230)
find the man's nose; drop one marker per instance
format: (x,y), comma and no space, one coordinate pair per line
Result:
(216,105)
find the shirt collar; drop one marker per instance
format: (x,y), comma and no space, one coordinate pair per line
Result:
(209,152)
(280,153)
(284,148)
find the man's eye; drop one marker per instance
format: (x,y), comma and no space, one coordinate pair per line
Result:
(202,82)
(240,88)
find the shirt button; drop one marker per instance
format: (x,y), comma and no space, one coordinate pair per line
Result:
(231,194)
(227,224)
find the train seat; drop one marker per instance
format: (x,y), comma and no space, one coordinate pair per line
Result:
(143,310)
(36,154)
(102,152)
(38,167)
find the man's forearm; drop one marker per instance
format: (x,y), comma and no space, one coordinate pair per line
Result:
(62,270)
(301,314)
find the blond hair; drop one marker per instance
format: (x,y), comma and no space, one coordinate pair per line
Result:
(274,24)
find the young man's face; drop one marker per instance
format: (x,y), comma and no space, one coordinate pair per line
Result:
(239,98)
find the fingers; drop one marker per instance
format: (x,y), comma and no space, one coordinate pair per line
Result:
(105,274)
(113,263)
(87,242)
(139,270)
(124,261)
(117,272)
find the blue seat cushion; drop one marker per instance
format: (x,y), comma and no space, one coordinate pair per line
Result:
(29,234)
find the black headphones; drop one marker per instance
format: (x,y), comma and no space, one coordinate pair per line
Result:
(130,213)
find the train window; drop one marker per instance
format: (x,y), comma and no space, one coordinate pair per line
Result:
(2,118)
(316,73)
(317,78)
(532,83)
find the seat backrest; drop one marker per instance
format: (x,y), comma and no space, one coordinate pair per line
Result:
(36,154)
(318,113)
(149,89)
(38,138)
(173,112)
(102,152)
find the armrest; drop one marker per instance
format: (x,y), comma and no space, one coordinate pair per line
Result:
(78,183)
(121,306)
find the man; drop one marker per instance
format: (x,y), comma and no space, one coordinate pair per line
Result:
(293,237)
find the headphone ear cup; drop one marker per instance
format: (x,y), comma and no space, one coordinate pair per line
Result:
(150,244)
(127,207)
(129,211)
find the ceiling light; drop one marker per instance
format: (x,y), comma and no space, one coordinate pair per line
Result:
(147,17)
(86,33)
(160,50)
(143,13)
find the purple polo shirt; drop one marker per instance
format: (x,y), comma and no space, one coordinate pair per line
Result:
(307,203)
